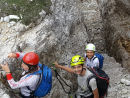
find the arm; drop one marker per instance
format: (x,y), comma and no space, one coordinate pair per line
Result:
(94,88)
(9,77)
(13,55)
(16,55)
(22,83)
(95,93)
(96,62)
(64,67)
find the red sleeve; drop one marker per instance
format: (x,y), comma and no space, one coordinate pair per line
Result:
(9,76)
(17,54)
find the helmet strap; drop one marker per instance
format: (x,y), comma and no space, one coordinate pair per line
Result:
(83,69)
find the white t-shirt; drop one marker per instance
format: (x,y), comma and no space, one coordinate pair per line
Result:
(83,89)
(93,62)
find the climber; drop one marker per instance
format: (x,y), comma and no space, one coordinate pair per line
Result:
(89,56)
(77,67)
(93,59)
(28,82)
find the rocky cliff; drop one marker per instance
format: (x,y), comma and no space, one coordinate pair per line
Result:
(65,32)
(116,25)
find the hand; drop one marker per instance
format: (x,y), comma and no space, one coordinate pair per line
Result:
(12,55)
(5,67)
(57,65)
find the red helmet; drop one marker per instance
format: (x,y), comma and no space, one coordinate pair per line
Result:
(31,58)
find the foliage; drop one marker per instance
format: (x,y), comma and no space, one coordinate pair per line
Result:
(26,9)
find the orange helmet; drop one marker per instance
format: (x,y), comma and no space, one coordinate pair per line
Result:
(31,58)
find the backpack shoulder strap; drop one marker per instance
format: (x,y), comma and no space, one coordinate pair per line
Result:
(32,91)
(41,76)
(94,57)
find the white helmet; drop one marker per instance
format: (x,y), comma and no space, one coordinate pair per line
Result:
(90,46)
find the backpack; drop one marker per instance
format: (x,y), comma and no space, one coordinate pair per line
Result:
(45,82)
(100,58)
(102,80)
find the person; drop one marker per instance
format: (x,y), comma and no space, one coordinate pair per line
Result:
(77,67)
(90,59)
(30,63)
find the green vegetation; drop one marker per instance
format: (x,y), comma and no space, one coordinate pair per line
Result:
(29,10)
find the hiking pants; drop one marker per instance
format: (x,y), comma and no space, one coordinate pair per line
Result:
(88,96)
(26,96)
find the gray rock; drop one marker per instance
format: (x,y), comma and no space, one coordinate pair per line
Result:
(126,82)
(116,17)
(66,31)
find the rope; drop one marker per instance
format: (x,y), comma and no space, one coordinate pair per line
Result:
(60,79)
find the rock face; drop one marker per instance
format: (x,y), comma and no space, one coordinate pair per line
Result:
(118,88)
(65,32)
(116,25)
(72,25)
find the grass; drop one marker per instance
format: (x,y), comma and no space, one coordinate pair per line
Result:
(29,10)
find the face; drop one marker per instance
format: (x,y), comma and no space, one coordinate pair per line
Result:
(78,69)
(90,53)
(25,67)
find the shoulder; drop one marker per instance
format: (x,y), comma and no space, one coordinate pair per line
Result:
(92,81)
(88,73)
(31,76)
(32,80)
(93,84)
(95,59)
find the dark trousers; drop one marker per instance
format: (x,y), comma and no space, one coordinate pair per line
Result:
(26,96)
(88,96)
